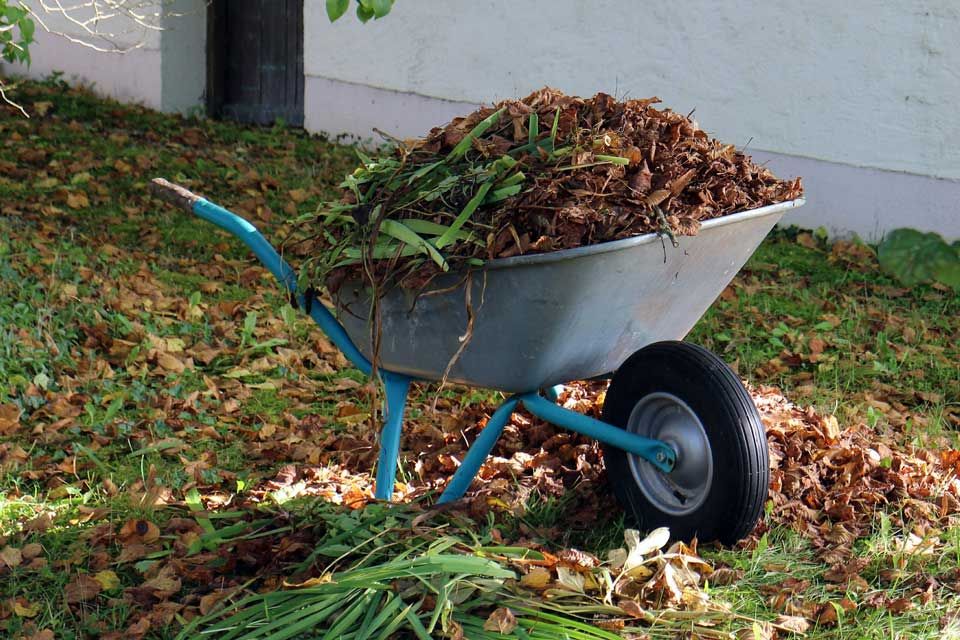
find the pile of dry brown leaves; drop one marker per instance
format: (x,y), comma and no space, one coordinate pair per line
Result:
(673,166)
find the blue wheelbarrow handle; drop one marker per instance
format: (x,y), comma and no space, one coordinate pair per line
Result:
(248,234)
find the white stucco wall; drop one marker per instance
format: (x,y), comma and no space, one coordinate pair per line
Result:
(853,84)
(162,67)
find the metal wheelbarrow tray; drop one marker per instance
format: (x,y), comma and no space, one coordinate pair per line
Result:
(549,318)
(683,442)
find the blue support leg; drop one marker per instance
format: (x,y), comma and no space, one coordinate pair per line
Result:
(397,388)
(553,393)
(478,452)
(656,452)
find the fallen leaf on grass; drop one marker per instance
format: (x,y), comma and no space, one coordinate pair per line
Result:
(164,583)
(139,531)
(9,419)
(31,551)
(11,557)
(209,601)
(78,200)
(169,362)
(25,609)
(108,580)
(299,195)
(42,107)
(795,624)
(82,589)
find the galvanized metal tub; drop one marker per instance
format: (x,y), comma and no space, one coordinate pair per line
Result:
(549,318)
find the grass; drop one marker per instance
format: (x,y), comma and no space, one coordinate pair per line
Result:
(148,360)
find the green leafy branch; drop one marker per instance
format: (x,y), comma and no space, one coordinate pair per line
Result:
(16,36)
(16,33)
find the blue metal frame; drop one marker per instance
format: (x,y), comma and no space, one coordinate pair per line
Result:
(657,453)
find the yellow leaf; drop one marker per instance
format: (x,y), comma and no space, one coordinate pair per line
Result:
(41,108)
(311,582)
(26,610)
(174,345)
(269,386)
(46,183)
(497,502)
(78,200)
(108,580)
(538,578)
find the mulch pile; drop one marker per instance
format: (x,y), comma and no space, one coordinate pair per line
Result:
(545,173)
(674,165)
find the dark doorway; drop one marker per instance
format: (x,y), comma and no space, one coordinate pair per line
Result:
(255,60)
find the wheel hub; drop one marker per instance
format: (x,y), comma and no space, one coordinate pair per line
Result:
(665,417)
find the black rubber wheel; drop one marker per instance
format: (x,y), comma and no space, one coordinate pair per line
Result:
(683,394)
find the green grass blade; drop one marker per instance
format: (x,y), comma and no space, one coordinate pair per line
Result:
(396,622)
(464,145)
(366,625)
(350,616)
(461,219)
(516,178)
(553,130)
(406,235)
(422,171)
(417,626)
(533,128)
(388,610)
(612,159)
(504,193)
(428,228)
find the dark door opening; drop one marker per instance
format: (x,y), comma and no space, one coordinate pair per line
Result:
(255,60)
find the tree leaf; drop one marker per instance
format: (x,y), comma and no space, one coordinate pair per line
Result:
(381,7)
(364,13)
(336,8)
(913,257)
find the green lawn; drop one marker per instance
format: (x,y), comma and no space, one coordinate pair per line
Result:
(173,435)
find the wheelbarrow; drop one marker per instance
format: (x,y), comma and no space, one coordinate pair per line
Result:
(682,439)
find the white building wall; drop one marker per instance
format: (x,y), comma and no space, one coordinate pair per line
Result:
(824,87)
(161,67)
